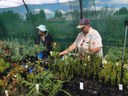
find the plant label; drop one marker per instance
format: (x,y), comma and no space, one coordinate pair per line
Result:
(37,88)
(6,92)
(120,86)
(26,66)
(81,85)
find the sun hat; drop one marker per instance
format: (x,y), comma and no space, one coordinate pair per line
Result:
(83,22)
(42,28)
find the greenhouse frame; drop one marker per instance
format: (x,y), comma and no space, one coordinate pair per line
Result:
(24,70)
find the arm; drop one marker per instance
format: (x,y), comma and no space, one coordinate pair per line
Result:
(95,50)
(49,41)
(69,49)
(97,43)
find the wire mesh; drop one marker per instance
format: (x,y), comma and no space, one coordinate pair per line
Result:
(61,19)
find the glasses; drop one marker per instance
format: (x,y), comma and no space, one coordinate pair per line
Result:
(82,42)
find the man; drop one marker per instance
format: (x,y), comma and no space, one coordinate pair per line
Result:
(46,39)
(88,40)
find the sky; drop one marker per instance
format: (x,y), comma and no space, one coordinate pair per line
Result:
(14,3)
(49,9)
(49,5)
(111,2)
(99,4)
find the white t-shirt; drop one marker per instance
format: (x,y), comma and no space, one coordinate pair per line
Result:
(92,40)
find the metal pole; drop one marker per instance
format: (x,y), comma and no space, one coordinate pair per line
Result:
(81,11)
(121,75)
(29,14)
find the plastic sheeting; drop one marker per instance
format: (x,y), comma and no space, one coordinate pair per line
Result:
(15,3)
(61,18)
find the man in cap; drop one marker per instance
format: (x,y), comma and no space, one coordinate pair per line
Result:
(88,40)
(46,39)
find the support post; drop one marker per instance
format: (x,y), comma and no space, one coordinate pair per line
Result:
(122,71)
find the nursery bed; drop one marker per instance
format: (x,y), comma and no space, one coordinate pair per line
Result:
(92,88)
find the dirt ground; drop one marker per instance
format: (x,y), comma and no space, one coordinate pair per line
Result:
(92,88)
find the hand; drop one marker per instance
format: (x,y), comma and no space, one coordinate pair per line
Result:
(63,53)
(90,49)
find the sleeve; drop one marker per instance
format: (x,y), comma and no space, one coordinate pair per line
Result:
(76,42)
(97,40)
(37,41)
(49,41)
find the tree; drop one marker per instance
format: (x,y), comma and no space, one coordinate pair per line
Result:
(58,14)
(42,15)
(3,30)
(36,18)
(12,21)
(122,11)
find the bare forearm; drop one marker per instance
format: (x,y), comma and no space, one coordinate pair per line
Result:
(95,50)
(69,49)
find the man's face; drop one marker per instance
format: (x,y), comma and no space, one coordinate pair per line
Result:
(85,29)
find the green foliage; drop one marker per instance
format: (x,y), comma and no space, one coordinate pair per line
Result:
(47,84)
(3,65)
(122,11)
(15,79)
(93,65)
(61,69)
(19,82)
(58,14)
(64,68)
(90,66)
(69,66)
(125,79)
(18,50)
(115,54)
(110,73)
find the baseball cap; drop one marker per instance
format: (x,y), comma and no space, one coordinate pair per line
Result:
(83,22)
(42,28)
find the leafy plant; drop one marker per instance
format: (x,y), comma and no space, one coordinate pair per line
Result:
(115,54)
(47,84)
(3,65)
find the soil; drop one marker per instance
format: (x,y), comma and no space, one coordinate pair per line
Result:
(92,88)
